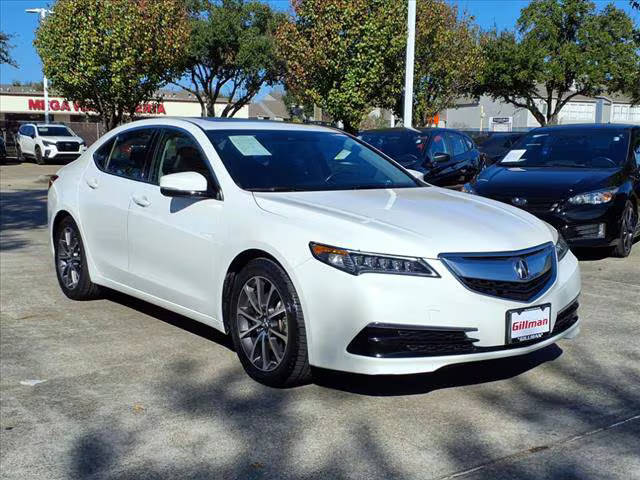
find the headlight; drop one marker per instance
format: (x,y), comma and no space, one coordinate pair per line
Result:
(561,247)
(594,198)
(356,262)
(47,143)
(468,188)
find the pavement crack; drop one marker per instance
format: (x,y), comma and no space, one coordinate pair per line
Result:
(536,449)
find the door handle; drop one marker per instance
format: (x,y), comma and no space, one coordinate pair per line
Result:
(92,182)
(141,200)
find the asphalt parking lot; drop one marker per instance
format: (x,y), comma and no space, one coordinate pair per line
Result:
(117,388)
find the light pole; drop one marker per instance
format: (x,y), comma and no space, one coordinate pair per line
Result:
(43,13)
(408,81)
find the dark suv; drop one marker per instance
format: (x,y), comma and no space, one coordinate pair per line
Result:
(582,179)
(445,157)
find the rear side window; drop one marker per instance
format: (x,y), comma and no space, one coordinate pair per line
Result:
(101,155)
(129,155)
(457,144)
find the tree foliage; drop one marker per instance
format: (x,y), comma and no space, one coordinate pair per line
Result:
(448,58)
(345,55)
(231,52)
(5,47)
(112,55)
(562,48)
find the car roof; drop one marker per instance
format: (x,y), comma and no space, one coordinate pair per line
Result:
(585,126)
(211,123)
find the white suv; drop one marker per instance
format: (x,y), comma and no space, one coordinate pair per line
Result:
(44,142)
(309,248)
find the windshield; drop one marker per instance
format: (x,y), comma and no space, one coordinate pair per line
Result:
(299,160)
(54,132)
(579,148)
(404,147)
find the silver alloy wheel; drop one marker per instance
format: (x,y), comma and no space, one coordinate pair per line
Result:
(69,258)
(262,323)
(628,229)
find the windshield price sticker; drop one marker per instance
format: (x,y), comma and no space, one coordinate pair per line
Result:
(249,146)
(514,156)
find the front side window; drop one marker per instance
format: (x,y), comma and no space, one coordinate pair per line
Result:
(438,145)
(178,152)
(570,148)
(101,155)
(54,131)
(304,160)
(129,154)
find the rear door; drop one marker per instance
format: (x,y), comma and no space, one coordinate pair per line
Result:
(105,193)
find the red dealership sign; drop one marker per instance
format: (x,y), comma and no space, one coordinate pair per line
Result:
(37,104)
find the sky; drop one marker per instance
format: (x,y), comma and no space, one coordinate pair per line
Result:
(14,20)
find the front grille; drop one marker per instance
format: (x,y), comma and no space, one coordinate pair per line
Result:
(68,146)
(406,341)
(533,205)
(388,341)
(519,291)
(522,276)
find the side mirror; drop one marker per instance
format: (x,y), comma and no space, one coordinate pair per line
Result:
(416,173)
(184,184)
(441,157)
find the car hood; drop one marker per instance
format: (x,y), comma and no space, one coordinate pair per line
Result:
(61,139)
(551,183)
(413,221)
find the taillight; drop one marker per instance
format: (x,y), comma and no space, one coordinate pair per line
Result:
(52,178)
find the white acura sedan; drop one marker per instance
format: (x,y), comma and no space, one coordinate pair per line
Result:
(308,247)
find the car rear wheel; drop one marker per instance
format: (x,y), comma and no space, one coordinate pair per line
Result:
(267,326)
(39,157)
(627,231)
(71,263)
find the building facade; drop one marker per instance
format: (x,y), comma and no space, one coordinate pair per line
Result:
(20,104)
(486,114)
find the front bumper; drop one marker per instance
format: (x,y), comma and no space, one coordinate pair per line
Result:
(52,153)
(339,306)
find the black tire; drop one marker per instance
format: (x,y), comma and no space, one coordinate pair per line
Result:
(39,157)
(19,156)
(628,224)
(84,288)
(293,367)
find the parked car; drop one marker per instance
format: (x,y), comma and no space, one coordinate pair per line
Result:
(3,149)
(495,145)
(582,179)
(48,142)
(444,156)
(308,247)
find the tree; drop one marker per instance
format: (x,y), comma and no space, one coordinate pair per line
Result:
(448,58)
(299,108)
(112,55)
(231,51)
(561,49)
(346,56)
(5,47)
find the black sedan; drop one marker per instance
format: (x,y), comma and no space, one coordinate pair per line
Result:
(445,157)
(582,179)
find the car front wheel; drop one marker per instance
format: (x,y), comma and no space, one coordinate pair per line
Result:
(267,325)
(39,157)
(627,231)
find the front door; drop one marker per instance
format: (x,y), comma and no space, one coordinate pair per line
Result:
(174,241)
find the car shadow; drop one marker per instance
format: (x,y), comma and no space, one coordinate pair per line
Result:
(459,375)
(167,316)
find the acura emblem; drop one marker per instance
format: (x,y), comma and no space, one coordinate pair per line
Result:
(519,201)
(521,268)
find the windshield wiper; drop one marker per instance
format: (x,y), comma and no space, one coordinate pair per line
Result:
(276,189)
